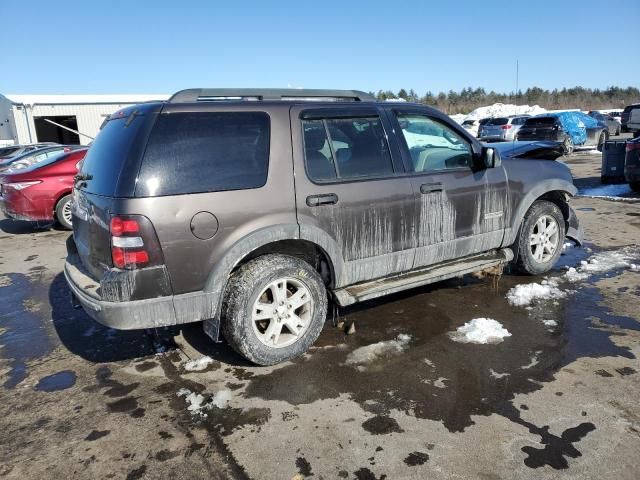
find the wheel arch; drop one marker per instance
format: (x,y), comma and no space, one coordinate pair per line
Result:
(556,191)
(59,196)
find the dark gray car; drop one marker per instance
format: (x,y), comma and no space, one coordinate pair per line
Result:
(251,210)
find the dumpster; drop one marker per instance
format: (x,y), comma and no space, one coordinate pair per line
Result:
(613,154)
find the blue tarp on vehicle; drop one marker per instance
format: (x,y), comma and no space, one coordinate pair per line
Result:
(575,124)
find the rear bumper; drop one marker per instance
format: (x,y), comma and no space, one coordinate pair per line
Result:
(155,312)
(135,314)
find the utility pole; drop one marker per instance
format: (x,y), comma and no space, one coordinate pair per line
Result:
(517,79)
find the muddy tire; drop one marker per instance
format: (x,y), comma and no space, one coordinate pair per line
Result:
(540,239)
(63,212)
(567,146)
(274,309)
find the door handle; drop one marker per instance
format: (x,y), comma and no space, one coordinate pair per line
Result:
(324,199)
(431,187)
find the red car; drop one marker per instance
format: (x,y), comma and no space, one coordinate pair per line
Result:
(41,191)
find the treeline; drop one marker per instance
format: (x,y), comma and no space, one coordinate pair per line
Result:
(470,98)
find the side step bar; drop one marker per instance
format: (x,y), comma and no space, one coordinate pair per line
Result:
(416,278)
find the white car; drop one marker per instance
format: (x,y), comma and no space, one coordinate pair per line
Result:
(471,126)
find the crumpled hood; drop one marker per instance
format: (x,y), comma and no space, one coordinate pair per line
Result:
(544,150)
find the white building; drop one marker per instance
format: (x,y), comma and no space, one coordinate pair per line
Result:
(27,118)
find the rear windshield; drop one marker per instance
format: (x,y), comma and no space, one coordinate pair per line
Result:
(197,152)
(109,152)
(541,121)
(498,121)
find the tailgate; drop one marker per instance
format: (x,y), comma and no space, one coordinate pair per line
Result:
(91,216)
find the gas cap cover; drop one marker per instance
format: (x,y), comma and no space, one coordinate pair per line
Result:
(204,225)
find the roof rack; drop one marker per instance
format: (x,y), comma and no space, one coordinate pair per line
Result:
(257,94)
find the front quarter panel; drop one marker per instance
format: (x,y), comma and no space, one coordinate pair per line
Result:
(528,181)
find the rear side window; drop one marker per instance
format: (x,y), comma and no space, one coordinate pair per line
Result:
(346,148)
(109,153)
(198,152)
(519,120)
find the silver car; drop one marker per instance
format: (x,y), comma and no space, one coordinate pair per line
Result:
(502,129)
(613,125)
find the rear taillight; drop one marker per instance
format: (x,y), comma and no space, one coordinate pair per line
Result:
(134,243)
(633,146)
(505,127)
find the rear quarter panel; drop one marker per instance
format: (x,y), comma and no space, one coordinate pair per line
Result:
(240,213)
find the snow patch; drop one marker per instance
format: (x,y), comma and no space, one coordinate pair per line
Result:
(609,192)
(371,353)
(534,361)
(480,330)
(525,294)
(498,375)
(199,364)
(574,275)
(550,323)
(504,110)
(198,403)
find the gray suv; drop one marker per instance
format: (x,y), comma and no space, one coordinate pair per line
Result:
(250,210)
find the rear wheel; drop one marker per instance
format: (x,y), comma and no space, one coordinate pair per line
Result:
(274,309)
(540,239)
(567,146)
(63,212)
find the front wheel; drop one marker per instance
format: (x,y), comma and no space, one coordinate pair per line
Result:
(540,239)
(274,309)
(63,212)
(568,146)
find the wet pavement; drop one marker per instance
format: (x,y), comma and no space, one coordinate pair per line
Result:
(555,399)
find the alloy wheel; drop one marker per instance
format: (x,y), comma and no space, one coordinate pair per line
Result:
(282,312)
(544,239)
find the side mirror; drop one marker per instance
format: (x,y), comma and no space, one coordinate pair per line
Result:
(491,157)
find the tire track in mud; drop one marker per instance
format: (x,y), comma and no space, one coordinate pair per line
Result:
(223,455)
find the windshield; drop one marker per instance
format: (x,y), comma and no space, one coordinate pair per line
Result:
(33,158)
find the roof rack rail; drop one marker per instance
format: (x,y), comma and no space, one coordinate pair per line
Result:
(257,94)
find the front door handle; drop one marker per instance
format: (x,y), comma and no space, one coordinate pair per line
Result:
(431,187)
(324,199)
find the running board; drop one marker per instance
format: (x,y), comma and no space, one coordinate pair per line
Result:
(417,278)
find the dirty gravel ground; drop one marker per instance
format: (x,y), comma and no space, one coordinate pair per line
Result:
(79,400)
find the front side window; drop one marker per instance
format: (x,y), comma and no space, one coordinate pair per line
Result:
(346,148)
(433,145)
(205,152)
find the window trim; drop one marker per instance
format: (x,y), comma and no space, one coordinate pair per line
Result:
(352,113)
(404,146)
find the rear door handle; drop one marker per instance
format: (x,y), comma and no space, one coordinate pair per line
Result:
(324,199)
(431,187)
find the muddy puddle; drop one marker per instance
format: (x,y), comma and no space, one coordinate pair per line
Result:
(428,375)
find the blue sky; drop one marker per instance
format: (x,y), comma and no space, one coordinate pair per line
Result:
(162,46)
